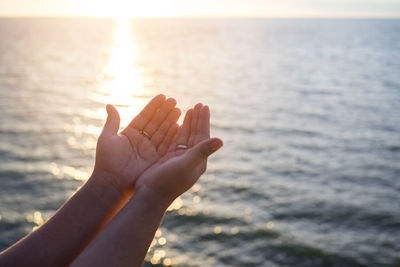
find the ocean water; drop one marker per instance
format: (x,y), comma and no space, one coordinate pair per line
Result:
(309,111)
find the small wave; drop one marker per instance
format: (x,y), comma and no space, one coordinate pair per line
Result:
(351,217)
(269,245)
(12,231)
(394,148)
(198,218)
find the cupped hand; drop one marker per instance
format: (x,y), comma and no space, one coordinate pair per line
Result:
(122,157)
(177,170)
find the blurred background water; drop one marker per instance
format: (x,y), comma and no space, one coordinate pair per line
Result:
(309,111)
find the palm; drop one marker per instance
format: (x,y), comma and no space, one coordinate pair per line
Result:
(127,155)
(178,169)
(125,159)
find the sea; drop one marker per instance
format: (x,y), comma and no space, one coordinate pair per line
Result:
(308,109)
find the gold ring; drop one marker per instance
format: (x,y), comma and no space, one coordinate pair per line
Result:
(145,134)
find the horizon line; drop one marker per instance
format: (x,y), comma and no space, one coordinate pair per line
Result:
(199,17)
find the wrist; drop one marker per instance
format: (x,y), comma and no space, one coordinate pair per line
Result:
(102,187)
(152,197)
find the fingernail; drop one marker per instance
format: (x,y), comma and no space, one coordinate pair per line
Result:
(215,144)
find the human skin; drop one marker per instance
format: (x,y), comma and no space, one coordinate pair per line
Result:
(120,160)
(125,240)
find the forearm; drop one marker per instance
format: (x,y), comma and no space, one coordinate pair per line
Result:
(60,240)
(125,240)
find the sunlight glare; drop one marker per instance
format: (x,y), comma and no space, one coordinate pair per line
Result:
(123,84)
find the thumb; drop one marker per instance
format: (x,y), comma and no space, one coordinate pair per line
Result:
(113,120)
(202,150)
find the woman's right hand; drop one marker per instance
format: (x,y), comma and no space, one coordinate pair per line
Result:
(179,169)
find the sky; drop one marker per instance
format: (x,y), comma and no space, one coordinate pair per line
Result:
(203,8)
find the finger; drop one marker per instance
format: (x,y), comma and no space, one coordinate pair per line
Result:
(152,126)
(183,133)
(140,121)
(203,125)
(200,152)
(163,148)
(158,137)
(193,127)
(113,120)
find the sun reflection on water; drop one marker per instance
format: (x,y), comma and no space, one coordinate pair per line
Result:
(122,82)
(35,218)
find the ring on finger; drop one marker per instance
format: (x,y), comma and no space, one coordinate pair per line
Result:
(143,132)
